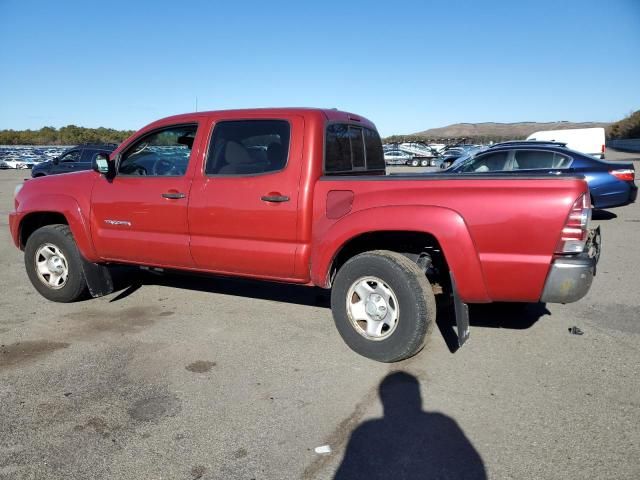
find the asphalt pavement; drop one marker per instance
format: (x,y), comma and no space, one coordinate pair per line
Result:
(177,377)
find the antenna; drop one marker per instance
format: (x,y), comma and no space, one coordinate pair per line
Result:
(196,103)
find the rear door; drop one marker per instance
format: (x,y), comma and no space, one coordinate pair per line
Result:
(244,205)
(140,216)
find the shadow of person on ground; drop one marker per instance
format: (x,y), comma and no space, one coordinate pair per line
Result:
(408,443)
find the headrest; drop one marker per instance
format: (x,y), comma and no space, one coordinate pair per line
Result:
(186,140)
(236,154)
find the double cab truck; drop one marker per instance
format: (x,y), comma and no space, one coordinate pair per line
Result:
(301,196)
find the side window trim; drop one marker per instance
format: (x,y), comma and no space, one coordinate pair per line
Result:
(217,122)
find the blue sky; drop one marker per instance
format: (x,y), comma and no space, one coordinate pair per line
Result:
(407,66)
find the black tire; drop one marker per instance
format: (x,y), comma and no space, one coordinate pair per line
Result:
(424,163)
(416,305)
(60,236)
(415,163)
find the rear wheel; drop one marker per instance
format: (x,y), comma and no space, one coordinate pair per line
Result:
(424,163)
(54,264)
(414,163)
(383,305)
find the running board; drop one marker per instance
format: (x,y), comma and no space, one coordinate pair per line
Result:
(461,310)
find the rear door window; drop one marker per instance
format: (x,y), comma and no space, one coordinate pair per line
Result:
(490,162)
(532,159)
(540,160)
(248,147)
(350,148)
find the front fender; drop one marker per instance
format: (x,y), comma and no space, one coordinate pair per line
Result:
(446,225)
(62,204)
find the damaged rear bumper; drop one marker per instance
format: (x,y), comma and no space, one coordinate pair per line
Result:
(570,278)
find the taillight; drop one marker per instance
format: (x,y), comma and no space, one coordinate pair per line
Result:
(603,148)
(575,231)
(626,174)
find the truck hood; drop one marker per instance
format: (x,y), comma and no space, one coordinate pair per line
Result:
(77,185)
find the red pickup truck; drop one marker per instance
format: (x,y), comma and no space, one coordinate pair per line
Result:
(301,196)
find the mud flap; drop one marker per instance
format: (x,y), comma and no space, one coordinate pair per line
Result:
(461,310)
(98,278)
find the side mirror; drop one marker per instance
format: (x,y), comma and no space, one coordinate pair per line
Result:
(104,166)
(56,160)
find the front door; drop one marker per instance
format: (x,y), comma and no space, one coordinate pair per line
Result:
(244,206)
(141,215)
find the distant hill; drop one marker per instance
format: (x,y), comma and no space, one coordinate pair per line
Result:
(503,130)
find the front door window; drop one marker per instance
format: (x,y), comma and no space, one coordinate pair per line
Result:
(164,152)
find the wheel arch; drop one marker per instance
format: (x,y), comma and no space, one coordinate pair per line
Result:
(35,220)
(407,228)
(66,211)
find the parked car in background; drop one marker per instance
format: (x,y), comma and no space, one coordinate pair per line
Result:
(74,159)
(397,157)
(7,163)
(610,184)
(450,155)
(585,140)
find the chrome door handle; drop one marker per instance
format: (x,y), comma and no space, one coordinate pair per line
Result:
(275,198)
(173,195)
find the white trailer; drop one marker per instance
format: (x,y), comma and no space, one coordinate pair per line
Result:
(585,140)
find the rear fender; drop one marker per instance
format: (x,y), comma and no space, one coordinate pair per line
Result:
(446,225)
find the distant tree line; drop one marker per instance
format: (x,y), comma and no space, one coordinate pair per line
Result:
(69,135)
(628,127)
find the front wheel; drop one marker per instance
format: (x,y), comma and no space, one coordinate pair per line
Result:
(54,265)
(383,305)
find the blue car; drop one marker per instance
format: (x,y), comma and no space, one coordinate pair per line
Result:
(74,159)
(611,183)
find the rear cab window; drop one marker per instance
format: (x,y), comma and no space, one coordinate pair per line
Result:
(352,149)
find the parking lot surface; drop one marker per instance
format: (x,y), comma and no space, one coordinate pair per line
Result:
(176,377)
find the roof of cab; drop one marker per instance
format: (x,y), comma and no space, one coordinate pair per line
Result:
(331,114)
